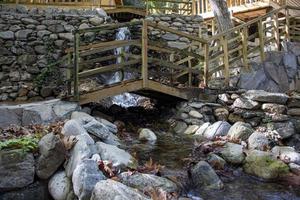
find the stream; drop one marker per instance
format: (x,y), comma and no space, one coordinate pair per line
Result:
(170,150)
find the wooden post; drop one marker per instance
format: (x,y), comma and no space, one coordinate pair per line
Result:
(172,70)
(244,34)
(190,72)
(76,66)
(194,7)
(287,24)
(69,81)
(206,64)
(226,59)
(145,54)
(213,26)
(147,7)
(261,40)
(276,31)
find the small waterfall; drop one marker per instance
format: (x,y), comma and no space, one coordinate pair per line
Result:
(126,99)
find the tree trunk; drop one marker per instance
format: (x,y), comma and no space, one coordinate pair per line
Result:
(222,14)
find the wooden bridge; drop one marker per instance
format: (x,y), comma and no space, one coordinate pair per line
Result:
(177,72)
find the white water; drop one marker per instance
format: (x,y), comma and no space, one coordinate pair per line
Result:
(126,99)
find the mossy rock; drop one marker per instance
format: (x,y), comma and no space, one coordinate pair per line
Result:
(264,165)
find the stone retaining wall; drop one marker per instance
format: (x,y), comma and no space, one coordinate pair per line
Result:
(31,39)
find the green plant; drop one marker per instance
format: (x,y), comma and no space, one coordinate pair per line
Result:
(26,143)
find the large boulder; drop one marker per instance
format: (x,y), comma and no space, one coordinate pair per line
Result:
(85,177)
(147,134)
(97,129)
(113,190)
(203,176)
(268,97)
(59,186)
(259,141)
(119,157)
(16,169)
(52,155)
(219,128)
(141,181)
(286,154)
(82,150)
(233,153)
(264,165)
(240,130)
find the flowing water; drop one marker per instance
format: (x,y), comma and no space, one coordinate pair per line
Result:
(170,150)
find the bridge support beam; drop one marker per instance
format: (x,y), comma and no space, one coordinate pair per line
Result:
(145,54)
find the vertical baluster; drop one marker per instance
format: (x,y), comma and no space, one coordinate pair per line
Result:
(276,31)
(145,54)
(206,64)
(261,40)
(224,42)
(76,65)
(287,24)
(244,34)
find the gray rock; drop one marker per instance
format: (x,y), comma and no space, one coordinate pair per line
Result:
(85,177)
(264,165)
(274,108)
(147,134)
(7,35)
(252,80)
(221,114)
(63,109)
(203,176)
(29,21)
(83,149)
(56,28)
(195,114)
(113,190)
(268,97)
(112,127)
(259,141)
(16,169)
(66,36)
(96,21)
(97,129)
(43,33)
(119,157)
(284,129)
(245,104)
(112,140)
(141,181)
(192,129)
(233,153)
(290,62)
(23,34)
(286,154)
(72,127)
(219,128)
(294,168)
(178,45)
(180,127)
(294,111)
(216,161)
(170,37)
(59,186)
(10,116)
(202,129)
(52,155)
(240,130)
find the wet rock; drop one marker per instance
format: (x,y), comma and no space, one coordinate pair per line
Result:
(119,157)
(59,186)
(203,176)
(233,153)
(16,169)
(245,104)
(240,130)
(274,108)
(284,129)
(141,181)
(147,134)
(180,127)
(263,96)
(52,155)
(216,161)
(219,128)
(195,114)
(202,129)
(259,141)
(286,154)
(191,129)
(110,189)
(85,177)
(264,165)
(83,149)
(72,127)
(221,114)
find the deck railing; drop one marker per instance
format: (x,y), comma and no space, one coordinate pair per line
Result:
(198,61)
